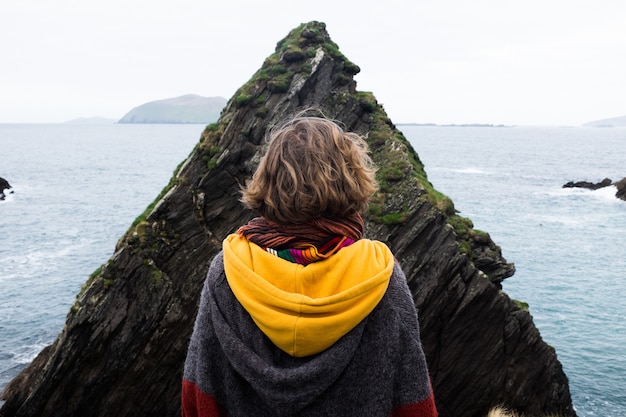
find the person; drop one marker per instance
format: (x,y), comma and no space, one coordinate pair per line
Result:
(300,314)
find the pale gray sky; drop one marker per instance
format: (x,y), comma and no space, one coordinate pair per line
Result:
(532,62)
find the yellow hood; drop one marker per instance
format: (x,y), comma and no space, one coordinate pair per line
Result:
(305,309)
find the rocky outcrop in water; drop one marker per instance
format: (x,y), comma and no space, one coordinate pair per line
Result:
(589,185)
(619,185)
(122,349)
(4,185)
(621,189)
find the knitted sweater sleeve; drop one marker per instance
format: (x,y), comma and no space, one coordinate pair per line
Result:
(414,394)
(197,397)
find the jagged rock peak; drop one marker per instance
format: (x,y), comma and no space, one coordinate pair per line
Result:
(123,346)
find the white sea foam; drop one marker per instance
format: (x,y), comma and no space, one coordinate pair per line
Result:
(26,353)
(9,196)
(471,170)
(606,193)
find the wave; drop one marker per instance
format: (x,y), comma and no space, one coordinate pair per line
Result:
(26,353)
(604,193)
(467,170)
(607,193)
(9,196)
(566,220)
(38,260)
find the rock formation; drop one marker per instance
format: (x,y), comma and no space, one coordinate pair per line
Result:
(123,346)
(621,189)
(4,185)
(589,185)
(619,185)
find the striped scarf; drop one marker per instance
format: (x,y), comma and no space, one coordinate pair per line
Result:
(307,242)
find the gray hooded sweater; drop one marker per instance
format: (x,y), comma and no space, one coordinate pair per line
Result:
(376,369)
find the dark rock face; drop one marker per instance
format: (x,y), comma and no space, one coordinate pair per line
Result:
(621,189)
(589,185)
(4,185)
(122,349)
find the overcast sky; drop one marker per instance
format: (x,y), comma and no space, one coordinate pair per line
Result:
(532,62)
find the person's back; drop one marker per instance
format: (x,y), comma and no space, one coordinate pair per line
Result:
(300,315)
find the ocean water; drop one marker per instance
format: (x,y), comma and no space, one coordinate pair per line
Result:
(568,245)
(77,189)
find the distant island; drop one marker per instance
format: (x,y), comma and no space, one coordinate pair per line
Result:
(453,125)
(612,122)
(189,108)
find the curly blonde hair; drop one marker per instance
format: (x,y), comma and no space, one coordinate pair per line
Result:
(311,169)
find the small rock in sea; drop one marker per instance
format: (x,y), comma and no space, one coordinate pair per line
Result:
(589,185)
(621,189)
(4,185)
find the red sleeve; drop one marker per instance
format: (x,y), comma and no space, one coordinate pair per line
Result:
(195,403)
(424,408)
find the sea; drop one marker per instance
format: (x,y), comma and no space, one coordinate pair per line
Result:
(78,188)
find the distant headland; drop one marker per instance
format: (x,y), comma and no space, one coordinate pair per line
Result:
(454,125)
(612,122)
(189,108)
